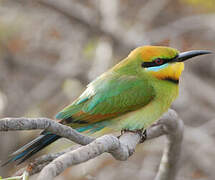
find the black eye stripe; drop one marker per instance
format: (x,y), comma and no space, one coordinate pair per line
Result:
(148,64)
(153,63)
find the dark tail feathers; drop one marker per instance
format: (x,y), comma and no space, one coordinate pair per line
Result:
(32,147)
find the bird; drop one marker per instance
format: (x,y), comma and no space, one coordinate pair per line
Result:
(130,96)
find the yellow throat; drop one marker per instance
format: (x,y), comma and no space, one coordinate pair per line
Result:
(168,71)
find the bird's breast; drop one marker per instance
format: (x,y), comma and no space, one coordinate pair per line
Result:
(166,92)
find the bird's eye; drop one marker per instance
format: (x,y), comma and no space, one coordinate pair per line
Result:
(158,61)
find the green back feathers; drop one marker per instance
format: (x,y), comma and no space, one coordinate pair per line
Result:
(114,94)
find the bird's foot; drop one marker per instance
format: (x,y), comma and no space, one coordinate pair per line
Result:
(122,132)
(142,133)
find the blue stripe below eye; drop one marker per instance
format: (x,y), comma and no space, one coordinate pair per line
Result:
(156,68)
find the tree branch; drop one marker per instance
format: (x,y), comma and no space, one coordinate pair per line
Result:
(121,148)
(14,124)
(171,155)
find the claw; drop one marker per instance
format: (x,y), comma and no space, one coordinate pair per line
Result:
(143,136)
(123,131)
(142,133)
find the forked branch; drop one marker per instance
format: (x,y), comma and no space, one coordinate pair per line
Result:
(121,148)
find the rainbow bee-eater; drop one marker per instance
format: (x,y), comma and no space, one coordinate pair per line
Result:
(130,96)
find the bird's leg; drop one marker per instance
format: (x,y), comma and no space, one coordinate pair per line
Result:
(142,133)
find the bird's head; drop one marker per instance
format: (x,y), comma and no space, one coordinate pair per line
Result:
(161,62)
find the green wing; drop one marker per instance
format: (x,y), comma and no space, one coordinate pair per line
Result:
(108,96)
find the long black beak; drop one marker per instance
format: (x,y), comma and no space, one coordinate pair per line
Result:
(189,54)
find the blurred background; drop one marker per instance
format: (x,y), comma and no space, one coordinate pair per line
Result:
(50,50)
